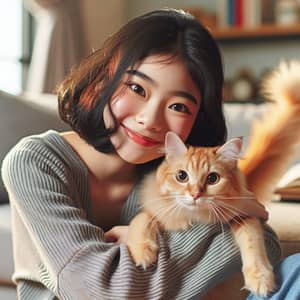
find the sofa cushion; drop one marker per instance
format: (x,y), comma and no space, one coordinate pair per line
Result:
(6,252)
(21,116)
(239,118)
(284,218)
(8,293)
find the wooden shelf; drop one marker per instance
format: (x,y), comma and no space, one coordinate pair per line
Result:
(261,32)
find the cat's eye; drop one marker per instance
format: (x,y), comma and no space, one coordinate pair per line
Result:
(212,178)
(182,176)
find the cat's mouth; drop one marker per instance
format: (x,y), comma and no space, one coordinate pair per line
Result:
(193,204)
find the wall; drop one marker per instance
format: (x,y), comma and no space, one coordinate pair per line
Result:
(104,17)
(137,7)
(258,56)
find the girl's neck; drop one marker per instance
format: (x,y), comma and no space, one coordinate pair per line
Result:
(102,166)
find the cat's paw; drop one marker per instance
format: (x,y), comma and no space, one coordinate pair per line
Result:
(143,253)
(259,279)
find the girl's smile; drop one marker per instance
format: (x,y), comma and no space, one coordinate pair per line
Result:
(156,96)
(140,139)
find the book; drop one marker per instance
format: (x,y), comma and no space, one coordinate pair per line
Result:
(268,11)
(252,13)
(288,187)
(231,13)
(239,13)
(222,11)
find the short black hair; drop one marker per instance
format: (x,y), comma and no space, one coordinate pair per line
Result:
(88,88)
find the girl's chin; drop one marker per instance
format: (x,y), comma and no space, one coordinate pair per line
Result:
(137,159)
(133,153)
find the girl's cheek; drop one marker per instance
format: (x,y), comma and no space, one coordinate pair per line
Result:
(122,107)
(182,128)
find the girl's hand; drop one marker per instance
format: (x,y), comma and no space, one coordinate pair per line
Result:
(118,234)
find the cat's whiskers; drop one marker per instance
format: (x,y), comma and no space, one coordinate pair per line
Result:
(224,214)
(235,197)
(177,208)
(214,207)
(164,210)
(241,221)
(237,212)
(153,219)
(210,213)
(236,217)
(168,209)
(225,221)
(154,200)
(228,212)
(234,208)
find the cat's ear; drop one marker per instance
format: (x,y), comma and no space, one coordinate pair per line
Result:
(231,150)
(174,146)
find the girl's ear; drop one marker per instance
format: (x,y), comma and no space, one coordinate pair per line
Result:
(231,150)
(174,146)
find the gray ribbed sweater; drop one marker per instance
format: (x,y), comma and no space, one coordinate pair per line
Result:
(59,254)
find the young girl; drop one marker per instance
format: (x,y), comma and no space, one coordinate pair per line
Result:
(71,192)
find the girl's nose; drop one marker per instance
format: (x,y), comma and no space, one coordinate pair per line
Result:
(150,117)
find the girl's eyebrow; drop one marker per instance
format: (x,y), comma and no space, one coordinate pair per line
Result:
(183,94)
(142,75)
(186,95)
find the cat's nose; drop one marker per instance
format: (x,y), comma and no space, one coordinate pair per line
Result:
(197,195)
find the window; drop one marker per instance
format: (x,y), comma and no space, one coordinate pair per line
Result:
(13,57)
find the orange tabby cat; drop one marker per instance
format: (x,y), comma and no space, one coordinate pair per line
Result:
(196,184)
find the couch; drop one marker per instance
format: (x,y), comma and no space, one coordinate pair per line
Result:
(28,114)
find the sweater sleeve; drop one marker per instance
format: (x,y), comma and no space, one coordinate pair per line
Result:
(74,262)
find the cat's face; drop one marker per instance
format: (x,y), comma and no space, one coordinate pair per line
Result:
(200,180)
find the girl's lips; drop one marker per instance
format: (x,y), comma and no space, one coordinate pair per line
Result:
(139,139)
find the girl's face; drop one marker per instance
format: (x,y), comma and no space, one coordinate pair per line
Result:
(155,97)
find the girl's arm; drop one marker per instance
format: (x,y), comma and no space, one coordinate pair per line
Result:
(58,247)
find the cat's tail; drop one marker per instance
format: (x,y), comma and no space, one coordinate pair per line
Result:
(274,138)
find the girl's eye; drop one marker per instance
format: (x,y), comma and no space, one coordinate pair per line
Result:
(182,176)
(180,108)
(212,178)
(136,89)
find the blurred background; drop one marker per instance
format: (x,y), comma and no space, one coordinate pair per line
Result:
(42,39)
